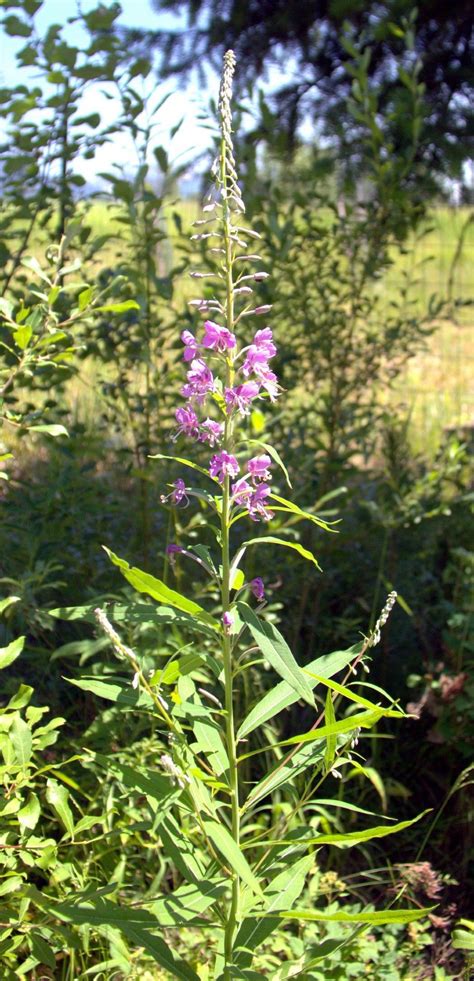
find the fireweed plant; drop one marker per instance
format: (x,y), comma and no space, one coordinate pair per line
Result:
(239,871)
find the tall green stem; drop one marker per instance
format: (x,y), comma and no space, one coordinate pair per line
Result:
(233,914)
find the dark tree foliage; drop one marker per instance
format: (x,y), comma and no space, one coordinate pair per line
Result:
(303,39)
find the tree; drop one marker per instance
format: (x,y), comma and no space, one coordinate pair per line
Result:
(306,40)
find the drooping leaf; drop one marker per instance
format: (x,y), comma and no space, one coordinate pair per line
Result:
(331,740)
(346,838)
(275,649)
(117,691)
(354,696)
(187,901)
(294,509)
(158,590)
(271,540)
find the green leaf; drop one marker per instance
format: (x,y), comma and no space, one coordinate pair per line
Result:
(52,430)
(283,891)
(365,720)
(11,652)
(145,583)
(284,773)
(118,307)
(21,738)
(283,695)
(137,925)
(346,838)
(275,649)
(270,540)
(307,515)
(331,741)
(85,298)
(132,613)
(354,696)
(117,691)
(155,786)
(42,950)
(181,906)
(209,741)
(28,816)
(30,262)
(180,850)
(379,917)
(9,600)
(22,336)
(232,855)
(58,796)
(185,462)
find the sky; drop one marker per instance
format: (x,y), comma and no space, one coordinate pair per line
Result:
(189,103)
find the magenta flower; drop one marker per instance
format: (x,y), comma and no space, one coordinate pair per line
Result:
(257,503)
(187,420)
(218,338)
(228,620)
(241,397)
(268,381)
(200,381)
(172,551)
(258,588)
(211,432)
(242,492)
(259,352)
(177,495)
(222,465)
(191,345)
(258,467)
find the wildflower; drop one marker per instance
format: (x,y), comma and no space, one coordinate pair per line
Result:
(200,381)
(258,588)
(241,397)
(211,432)
(187,421)
(218,338)
(222,465)
(258,467)
(259,352)
(257,503)
(173,550)
(241,492)
(177,495)
(174,771)
(228,620)
(191,345)
(390,603)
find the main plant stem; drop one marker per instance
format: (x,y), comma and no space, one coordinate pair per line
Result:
(232,919)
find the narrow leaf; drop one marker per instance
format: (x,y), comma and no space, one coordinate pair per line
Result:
(269,539)
(145,583)
(231,853)
(275,649)
(284,695)
(11,652)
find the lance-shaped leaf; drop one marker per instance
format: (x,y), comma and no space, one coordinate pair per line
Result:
(120,692)
(232,855)
(132,613)
(271,540)
(377,917)
(344,838)
(158,590)
(138,925)
(354,696)
(281,893)
(284,695)
(186,902)
(293,508)
(283,773)
(275,649)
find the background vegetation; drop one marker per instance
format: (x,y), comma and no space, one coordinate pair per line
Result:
(372,309)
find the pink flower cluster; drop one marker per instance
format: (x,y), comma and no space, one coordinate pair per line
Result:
(250,491)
